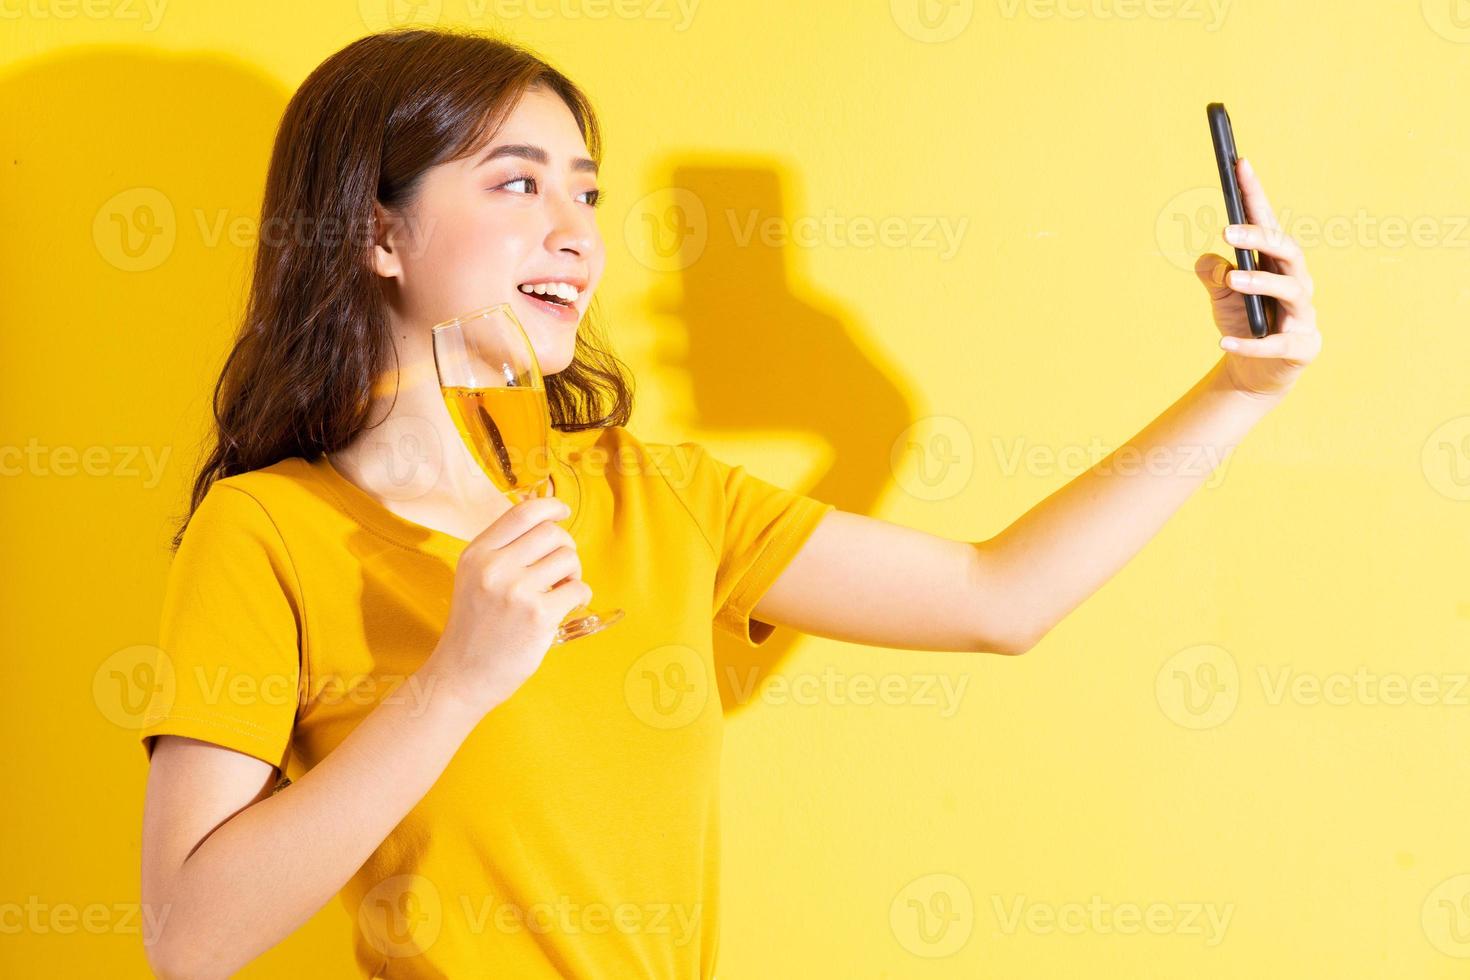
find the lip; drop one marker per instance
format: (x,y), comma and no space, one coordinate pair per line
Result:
(565,314)
(579,281)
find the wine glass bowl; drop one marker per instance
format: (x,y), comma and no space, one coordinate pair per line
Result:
(496,395)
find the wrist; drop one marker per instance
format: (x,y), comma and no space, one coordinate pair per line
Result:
(447,695)
(1223,381)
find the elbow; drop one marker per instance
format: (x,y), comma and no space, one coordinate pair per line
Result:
(179,957)
(1028,639)
(1002,626)
(166,961)
(171,961)
(1008,647)
(1012,644)
(1022,645)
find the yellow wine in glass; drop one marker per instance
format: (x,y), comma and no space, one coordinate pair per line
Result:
(503,427)
(493,388)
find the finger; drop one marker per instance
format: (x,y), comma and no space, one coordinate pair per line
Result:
(519,519)
(538,542)
(1257,208)
(1299,348)
(1212,270)
(569,596)
(1273,242)
(561,564)
(1289,291)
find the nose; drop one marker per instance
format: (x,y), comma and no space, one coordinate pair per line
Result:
(573,226)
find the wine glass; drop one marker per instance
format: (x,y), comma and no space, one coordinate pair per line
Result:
(492,385)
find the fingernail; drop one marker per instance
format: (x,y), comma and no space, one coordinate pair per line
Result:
(1229,343)
(1246,164)
(1232,233)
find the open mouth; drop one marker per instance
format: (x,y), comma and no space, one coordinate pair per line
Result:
(558,298)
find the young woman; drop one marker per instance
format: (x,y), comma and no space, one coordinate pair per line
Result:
(481,807)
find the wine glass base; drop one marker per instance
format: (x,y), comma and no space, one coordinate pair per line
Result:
(585,626)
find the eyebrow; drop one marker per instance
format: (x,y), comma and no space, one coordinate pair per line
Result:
(534,153)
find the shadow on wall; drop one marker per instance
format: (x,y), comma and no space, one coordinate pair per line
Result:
(762,353)
(132,191)
(133,186)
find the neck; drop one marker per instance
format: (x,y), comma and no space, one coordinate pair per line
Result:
(411,453)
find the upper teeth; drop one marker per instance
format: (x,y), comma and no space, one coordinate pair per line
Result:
(561,290)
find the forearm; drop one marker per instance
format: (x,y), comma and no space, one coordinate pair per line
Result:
(268,869)
(1062,550)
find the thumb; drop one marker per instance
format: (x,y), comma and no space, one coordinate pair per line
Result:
(1211,270)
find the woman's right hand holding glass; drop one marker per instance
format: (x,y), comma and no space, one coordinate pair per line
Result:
(514,584)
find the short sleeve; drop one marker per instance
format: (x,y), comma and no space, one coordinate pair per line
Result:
(229,666)
(756,528)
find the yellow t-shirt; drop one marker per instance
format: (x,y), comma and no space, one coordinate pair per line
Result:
(575,833)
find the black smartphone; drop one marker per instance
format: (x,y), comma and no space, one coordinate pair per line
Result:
(1257,308)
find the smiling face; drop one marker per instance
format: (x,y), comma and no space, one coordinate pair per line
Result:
(517,211)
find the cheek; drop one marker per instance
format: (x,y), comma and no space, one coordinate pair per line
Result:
(465,266)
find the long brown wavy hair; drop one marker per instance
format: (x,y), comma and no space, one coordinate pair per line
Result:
(364,126)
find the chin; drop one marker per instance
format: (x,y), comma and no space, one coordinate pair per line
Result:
(553,361)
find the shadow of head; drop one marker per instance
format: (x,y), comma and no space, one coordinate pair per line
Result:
(759,347)
(136,178)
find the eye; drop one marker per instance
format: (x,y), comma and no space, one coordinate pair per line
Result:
(520,179)
(595,195)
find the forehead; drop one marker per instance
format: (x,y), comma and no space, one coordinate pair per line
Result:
(541,118)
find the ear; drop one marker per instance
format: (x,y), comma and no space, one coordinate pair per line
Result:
(388,243)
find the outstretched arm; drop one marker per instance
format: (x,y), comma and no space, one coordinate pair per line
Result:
(866,580)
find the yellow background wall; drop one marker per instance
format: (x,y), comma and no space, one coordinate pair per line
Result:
(1263,718)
